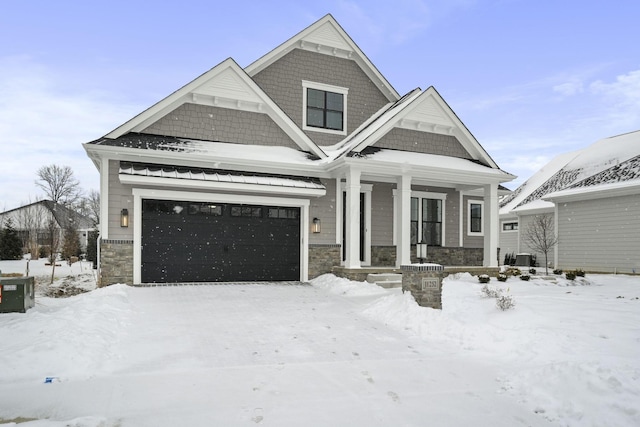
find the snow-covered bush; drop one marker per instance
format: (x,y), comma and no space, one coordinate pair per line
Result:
(557,271)
(580,272)
(532,271)
(490,292)
(484,278)
(570,275)
(502,277)
(505,302)
(525,276)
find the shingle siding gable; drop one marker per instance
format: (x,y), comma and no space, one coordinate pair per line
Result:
(221,124)
(282,81)
(423,142)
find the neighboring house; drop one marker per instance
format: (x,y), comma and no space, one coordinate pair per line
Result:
(594,196)
(305,160)
(32,223)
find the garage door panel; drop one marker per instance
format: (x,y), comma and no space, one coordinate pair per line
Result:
(180,244)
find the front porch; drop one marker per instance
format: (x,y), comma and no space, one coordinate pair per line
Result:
(360,274)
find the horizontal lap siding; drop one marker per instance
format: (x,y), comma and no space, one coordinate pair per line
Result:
(508,243)
(120,197)
(526,221)
(324,208)
(382,214)
(600,235)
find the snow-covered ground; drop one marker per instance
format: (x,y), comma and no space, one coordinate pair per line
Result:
(332,353)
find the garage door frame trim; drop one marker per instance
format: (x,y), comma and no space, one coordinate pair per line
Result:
(146,193)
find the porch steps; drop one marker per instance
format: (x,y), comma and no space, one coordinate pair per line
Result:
(385,280)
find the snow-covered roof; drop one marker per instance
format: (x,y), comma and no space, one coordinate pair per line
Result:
(220,176)
(610,160)
(63,216)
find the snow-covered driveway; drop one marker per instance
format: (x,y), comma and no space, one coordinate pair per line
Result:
(227,355)
(333,353)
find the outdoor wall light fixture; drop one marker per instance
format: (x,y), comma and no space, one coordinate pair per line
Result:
(124,218)
(315,227)
(421,251)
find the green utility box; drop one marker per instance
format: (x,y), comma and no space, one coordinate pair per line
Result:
(17,294)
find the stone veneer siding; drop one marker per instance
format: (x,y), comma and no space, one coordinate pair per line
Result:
(383,256)
(322,258)
(116,262)
(424,281)
(453,256)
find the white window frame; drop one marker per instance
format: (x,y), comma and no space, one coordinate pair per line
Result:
(421,195)
(502,224)
(326,88)
(475,202)
(367,189)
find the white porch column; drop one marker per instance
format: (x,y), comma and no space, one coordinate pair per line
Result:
(491,223)
(352,223)
(104,199)
(403,225)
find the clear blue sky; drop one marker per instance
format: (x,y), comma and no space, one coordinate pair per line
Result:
(530,79)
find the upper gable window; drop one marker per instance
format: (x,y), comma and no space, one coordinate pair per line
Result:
(325,108)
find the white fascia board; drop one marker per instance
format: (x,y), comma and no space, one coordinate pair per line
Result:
(156,109)
(468,141)
(327,37)
(221,186)
(535,207)
(197,159)
(188,93)
(387,121)
(452,177)
(602,191)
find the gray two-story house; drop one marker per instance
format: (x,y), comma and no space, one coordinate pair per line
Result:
(305,160)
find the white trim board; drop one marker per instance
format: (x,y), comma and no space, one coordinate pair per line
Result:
(144,193)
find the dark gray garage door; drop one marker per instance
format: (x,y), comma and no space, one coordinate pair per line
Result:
(211,242)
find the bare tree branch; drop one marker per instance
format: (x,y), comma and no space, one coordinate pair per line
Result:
(541,237)
(59,184)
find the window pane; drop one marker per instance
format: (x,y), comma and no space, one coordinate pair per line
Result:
(476,217)
(414,232)
(334,120)
(432,210)
(335,101)
(432,233)
(414,209)
(315,118)
(315,98)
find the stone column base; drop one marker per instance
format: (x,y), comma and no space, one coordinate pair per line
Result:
(424,281)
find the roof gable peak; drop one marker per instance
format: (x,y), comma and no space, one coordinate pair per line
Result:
(226,85)
(327,37)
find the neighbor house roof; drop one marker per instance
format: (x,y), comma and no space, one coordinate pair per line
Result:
(62,215)
(607,164)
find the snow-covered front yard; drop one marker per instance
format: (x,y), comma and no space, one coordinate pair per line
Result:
(330,353)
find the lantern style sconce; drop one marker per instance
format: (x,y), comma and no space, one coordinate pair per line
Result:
(421,251)
(124,218)
(315,227)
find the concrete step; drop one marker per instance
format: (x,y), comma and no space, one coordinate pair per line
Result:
(385,280)
(387,284)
